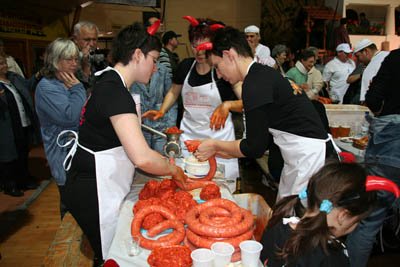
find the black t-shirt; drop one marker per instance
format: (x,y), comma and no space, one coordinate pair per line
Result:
(269,102)
(109,97)
(274,239)
(195,79)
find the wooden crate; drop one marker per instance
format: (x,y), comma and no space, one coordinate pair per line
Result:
(69,247)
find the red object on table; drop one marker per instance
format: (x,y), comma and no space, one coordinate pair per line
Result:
(110,263)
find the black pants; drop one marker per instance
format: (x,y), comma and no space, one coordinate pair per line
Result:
(15,173)
(80,197)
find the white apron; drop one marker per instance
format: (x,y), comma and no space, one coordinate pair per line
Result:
(302,156)
(199,103)
(114,177)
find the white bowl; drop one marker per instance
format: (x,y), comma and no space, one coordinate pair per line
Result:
(195,167)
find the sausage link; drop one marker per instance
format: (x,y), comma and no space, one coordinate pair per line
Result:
(206,242)
(164,225)
(194,224)
(218,216)
(174,238)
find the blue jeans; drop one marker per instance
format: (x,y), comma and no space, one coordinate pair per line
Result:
(155,142)
(361,240)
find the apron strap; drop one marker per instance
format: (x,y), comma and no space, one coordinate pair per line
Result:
(74,141)
(335,146)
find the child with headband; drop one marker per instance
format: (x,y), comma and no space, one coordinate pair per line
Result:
(305,229)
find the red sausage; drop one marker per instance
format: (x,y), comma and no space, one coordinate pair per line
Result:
(171,239)
(225,231)
(192,219)
(205,242)
(209,217)
(164,225)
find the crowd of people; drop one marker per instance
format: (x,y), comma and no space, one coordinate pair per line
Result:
(90,125)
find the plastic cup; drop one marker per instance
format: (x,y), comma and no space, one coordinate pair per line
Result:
(223,253)
(334,131)
(132,246)
(202,257)
(250,252)
(344,131)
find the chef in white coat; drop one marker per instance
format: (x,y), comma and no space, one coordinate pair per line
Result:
(110,144)
(207,99)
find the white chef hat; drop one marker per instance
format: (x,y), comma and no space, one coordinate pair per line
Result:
(251,29)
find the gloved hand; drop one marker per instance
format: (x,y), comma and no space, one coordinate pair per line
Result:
(153,114)
(218,118)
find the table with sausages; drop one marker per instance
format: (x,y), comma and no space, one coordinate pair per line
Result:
(119,251)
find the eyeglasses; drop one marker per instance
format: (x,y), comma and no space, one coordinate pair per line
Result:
(155,59)
(90,40)
(250,36)
(71,59)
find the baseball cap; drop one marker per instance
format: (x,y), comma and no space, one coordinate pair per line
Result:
(169,35)
(345,47)
(252,29)
(362,44)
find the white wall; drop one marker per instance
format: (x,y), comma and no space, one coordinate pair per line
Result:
(376,11)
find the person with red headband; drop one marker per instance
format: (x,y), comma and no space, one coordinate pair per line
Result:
(207,100)
(111,145)
(272,107)
(305,229)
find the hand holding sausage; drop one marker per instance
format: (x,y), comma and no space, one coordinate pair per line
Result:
(179,177)
(205,150)
(218,118)
(153,114)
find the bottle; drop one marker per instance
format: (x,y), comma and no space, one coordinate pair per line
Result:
(238,186)
(365,125)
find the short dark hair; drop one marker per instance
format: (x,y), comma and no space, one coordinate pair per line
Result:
(229,37)
(202,30)
(306,54)
(129,39)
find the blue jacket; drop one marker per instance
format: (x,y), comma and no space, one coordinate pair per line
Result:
(58,109)
(151,97)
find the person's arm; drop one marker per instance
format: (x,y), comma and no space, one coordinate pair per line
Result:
(173,111)
(317,81)
(130,135)
(214,147)
(218,118)
(326,76)
(62,109)
(168,102)
(374,97)
(220,114)
(353,78)
(254,145)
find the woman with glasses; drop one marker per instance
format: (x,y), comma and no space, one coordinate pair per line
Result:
(59,98)
(207,99)
(111,143)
